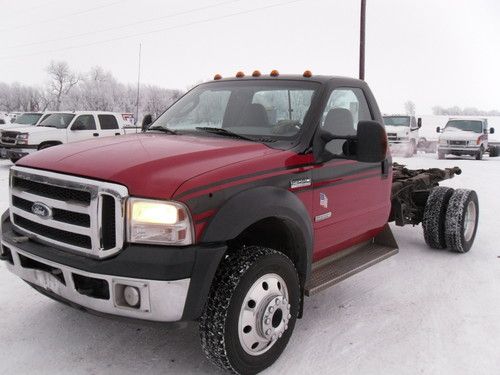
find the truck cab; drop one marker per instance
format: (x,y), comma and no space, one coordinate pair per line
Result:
(402,133)
(464,136)
(56,128)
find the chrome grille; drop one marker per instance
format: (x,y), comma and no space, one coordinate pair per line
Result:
(392,136)
(457,143)
(9,138)
(82,215)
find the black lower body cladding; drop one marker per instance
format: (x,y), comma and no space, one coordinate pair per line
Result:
(152,262)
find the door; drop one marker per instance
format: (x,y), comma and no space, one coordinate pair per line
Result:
(109,125)
(83,127)
(350,198)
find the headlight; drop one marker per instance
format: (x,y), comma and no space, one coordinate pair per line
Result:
(443,142)
(22,138)
(472,143)
(159,222)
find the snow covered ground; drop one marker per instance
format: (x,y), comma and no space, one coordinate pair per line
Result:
(420,312)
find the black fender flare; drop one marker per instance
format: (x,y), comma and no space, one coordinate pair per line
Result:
(51,143)
(250,206)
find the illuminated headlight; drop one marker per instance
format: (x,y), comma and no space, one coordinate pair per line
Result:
(443,142)
(22,138)
(159,222)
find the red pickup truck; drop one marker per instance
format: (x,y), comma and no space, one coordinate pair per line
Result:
(247,195)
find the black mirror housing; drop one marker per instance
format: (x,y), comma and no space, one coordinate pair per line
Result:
(419,122)
(146,122)
(492,130)
(371,142)
(438,129)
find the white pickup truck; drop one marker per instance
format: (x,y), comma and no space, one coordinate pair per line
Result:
(59,128)
(465,136)
(402,133)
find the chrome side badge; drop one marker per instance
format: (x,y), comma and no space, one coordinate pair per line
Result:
(302,182)
(323,217)
(323,200)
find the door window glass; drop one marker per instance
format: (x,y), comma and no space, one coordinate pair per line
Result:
(84,122)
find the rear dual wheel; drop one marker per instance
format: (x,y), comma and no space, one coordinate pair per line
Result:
(451,218)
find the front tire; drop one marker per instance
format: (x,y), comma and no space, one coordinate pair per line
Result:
(251,310)
(461,222)
(479,155)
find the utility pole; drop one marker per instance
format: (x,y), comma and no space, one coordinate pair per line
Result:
(138,86)
(362,30)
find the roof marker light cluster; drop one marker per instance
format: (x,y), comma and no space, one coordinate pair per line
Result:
(256,73)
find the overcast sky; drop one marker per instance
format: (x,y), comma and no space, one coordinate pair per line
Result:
(434,52)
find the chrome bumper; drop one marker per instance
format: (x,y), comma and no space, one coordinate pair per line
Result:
(458,148)
(161,301)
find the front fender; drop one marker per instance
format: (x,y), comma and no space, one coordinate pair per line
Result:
(250,206)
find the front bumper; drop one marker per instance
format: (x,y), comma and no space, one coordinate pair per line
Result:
(16,152)
(460,150)
(173,283)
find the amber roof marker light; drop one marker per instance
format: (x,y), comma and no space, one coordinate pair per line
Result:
(217,77)
(307,74)
(240,74)
(256,73)
(274,73)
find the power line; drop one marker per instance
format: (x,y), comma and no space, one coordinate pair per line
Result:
(122,26)
(83,11)
(154,31)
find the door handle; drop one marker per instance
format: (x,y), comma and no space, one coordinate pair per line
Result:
(117,133)
(96,134)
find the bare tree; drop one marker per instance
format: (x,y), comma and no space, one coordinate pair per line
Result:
(410,108)
(62,80)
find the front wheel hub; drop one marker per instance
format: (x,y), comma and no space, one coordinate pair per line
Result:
(264,314)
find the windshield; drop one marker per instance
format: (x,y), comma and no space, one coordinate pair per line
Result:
(28,118)
(397,120)
(257,110)
(465,125)
(58,120)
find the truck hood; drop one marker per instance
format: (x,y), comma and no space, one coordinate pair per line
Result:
(459,135)
(149,165)
(401,131)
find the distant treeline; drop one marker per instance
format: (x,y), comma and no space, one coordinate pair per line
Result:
(96,90)
(468,111)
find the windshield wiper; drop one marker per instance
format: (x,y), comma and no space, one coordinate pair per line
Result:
(224,132)
(164,130)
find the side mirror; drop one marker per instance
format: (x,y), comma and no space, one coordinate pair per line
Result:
(371,142)
(438,129)
(146,122)
(492,130)
(419,122)
(78,125)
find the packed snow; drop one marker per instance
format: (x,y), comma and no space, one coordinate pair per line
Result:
(422,311)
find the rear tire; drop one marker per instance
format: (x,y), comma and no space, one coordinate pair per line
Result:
(461,223)
(230,337)
(494,151)
(433,222)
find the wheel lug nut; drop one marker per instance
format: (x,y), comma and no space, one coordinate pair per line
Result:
(277,301)
(268,332)
(274,337)
(289,316)
(271,309)
(281,334)
(267,321)
(288,306)
(286,327)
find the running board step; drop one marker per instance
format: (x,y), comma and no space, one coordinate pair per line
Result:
(351,261)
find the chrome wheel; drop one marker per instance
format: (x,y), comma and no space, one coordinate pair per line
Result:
(470,221)
(264,314)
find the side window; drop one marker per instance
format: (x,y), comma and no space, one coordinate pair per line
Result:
(346,106)
(84,122)
(108,122)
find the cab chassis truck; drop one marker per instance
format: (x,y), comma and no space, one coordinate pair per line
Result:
(230,225)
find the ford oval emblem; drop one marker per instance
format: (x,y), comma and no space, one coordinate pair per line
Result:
(42,210)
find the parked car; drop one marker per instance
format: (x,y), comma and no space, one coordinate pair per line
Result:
(62,127)
(4,119)
(244,197)
(464,136)
(402,132)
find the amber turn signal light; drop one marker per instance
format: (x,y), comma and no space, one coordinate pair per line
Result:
(240,74)
(307,74)
(256,73)
(217,77)
(275,73)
